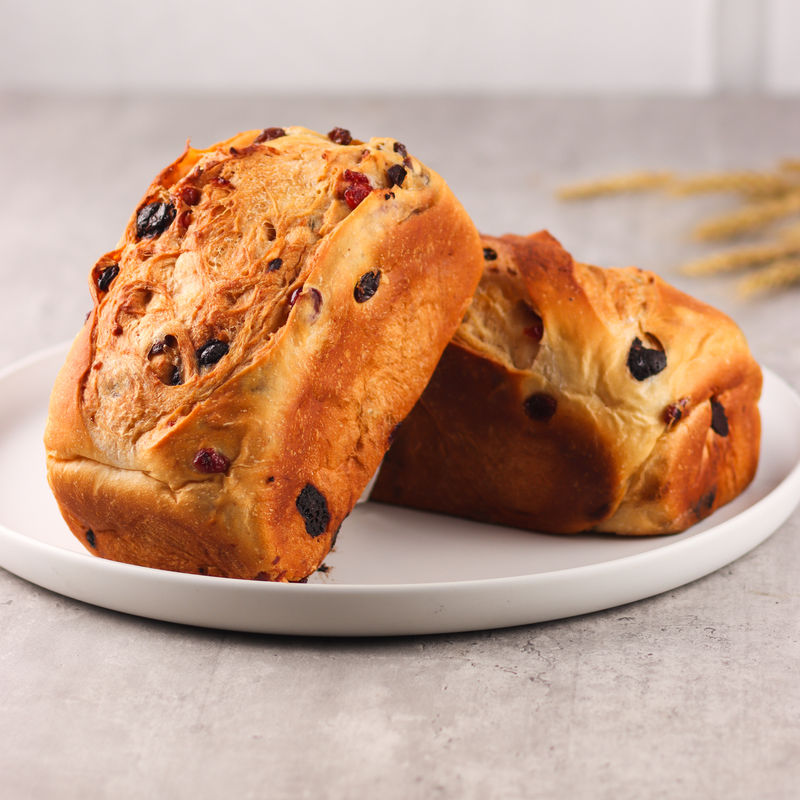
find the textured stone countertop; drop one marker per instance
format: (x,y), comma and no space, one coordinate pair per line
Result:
(693,693)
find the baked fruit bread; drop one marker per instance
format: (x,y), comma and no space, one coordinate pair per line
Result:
(574,398)
(274,308)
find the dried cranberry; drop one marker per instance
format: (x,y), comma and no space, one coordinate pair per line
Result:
(540,406)
(90,538)
(367,286)
(294,295)
(106,276)
(536,329)
(643,362)
(340,136)
(313,509)
(223,182)
(153,219)
(719,419)
(117,330)
(185,219)
(489,254)
(209,460)
(190,195)
(674,411)
(359,187)
(396,175)
(269,133)
(401,148)
(275,264)
(211,352)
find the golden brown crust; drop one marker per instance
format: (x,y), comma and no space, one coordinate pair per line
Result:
(303,401)
(595,448)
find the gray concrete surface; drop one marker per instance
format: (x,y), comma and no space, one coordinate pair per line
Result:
(691,694)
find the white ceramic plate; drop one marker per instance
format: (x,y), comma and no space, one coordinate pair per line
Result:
(394,571)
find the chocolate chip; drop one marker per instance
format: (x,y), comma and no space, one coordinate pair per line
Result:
(643,362)
(268,134)
(340,136)
(209,460)
(396,174)
(367,286)
(90,538)
(153,219)
(313,509)
(719,419)
(106,276)
(211,352)
(275,264)
(540,406)
(489,254)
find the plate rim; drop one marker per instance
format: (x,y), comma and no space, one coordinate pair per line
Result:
(788,486)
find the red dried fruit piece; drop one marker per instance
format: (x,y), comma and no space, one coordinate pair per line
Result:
(540,406)
(536,329)
(359,187)
(209,460)
(185,219)
(340,136)
(674,411)
(190,195)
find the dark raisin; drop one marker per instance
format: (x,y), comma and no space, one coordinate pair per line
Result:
(153,219)
(275,264)
(261,576)
(540,406)
(316,297)
(106,276)
(401,148)
(294,295)
(90,538)
(389,196)
(211,352)
(190,195)
(367,286)
(719,419)
(643,362)
(271,479)
(536,329)
(223,182)
(269,133)
(324,569)
(209,460)
(489,254)
(340,136)
(313,509)
(705,503)
(396,174)
(234,152)
(117,330)
(157,348)
(175,377)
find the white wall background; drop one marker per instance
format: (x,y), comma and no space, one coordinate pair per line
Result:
(402,46)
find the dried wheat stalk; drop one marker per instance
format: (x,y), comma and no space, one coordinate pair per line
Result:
(616,184)
(741,258)
(777,275)
(752,217)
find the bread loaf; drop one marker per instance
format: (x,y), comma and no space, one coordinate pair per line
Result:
(274,308)
(574,398)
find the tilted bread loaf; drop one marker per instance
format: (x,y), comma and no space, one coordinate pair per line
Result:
(575,398)
(274,308)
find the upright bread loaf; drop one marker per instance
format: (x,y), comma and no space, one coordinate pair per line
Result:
(274,308)
(574,398)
